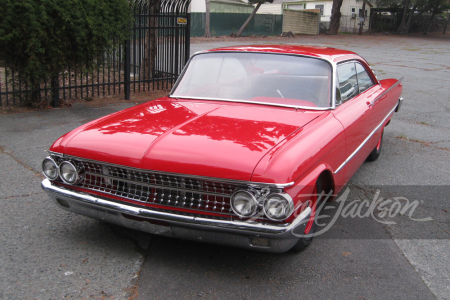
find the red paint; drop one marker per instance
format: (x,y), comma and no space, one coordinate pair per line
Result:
(190,137)
(327,53)
(232,140)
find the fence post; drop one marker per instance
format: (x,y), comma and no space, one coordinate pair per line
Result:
(55,90)
(187,39)
(127,69)
(177,46)
(1,86)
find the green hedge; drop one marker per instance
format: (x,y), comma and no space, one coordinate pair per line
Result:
(42,37)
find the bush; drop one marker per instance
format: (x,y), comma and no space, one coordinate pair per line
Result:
(42,37)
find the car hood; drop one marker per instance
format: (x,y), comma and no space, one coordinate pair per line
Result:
(214,139)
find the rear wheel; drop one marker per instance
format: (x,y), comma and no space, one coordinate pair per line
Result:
(377,150)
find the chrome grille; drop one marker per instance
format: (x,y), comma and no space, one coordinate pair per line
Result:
(161,189)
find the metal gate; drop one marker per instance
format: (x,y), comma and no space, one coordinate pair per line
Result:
(159,47)
(151,59)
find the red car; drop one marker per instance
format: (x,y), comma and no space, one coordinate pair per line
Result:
(237,154)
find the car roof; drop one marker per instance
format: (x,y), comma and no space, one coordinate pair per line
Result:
(327,53)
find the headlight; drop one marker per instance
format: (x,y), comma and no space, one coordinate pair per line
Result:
(278,207)
(68,172)
(244,203)
(50,169)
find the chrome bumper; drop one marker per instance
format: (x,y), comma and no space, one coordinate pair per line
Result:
(400,102)
(280,238)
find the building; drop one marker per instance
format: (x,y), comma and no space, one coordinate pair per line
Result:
(350,11)
(228,15)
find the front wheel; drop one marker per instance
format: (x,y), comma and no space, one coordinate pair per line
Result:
(310,229)
(304,242)
(377,150)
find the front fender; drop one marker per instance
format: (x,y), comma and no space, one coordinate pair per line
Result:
(319,146)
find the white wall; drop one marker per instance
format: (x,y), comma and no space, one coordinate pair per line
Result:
(347,24)
(197,6)
(348,4)
(328,5)
(346,10)
(270,8)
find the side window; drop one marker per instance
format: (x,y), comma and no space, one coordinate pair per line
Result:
(364,80)
(365,13)
(321,7)
(347,81)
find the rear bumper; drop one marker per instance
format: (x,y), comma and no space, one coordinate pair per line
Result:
(276,238)
(400,102)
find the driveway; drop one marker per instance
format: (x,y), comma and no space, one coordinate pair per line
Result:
(47,253)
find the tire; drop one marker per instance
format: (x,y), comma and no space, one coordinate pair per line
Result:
(377,150)
(304,242)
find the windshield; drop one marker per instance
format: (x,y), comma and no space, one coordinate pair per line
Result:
(285,80)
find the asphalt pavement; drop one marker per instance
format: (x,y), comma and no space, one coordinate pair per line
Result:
(48,253)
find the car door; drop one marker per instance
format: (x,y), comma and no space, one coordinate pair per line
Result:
(356,113)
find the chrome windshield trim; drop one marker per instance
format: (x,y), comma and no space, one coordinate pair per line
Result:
(214,179)
(60,192)
(364,142)
(252,102)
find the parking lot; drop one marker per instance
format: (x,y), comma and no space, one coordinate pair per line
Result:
(47,253)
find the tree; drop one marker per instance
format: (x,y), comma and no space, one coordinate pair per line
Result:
(363,16)
(41,38)
(258,4)
(414,9)
(404,16)
(207,20)
(335,17)
(446,23)
(148,64)
(436,7)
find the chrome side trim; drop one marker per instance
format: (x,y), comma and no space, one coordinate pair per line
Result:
(365,141)
(56,154)
(237,226)
(214,179)
(274,185)
(386,91)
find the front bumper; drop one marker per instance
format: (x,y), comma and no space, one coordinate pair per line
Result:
(276,237)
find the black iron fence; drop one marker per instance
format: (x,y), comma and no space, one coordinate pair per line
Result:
(151,59)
